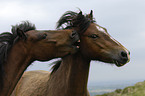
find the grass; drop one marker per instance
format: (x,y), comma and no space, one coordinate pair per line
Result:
(137,90)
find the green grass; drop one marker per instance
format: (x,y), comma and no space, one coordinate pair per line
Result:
(137,90)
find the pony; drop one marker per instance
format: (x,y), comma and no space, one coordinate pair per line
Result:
(69,76)
(26,44)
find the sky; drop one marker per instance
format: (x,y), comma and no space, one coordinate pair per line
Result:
(124,20)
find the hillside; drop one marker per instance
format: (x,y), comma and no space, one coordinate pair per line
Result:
(137,90)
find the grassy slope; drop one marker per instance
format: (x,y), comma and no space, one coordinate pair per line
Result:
(136,90)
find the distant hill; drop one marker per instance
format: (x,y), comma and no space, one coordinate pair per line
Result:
(137,90)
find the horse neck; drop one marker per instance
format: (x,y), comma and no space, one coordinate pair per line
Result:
(14,67)
(71,78)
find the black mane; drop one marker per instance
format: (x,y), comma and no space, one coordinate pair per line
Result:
(72,19)
(7,40)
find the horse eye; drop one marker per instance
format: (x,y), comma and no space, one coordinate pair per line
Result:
(94,36)
(44,36)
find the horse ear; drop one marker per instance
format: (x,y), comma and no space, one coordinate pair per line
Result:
(91,15)
(21,34)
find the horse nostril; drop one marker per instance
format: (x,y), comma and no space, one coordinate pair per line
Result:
(73,35)
(123,54)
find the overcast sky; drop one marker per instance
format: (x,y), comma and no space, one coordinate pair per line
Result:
(124,20)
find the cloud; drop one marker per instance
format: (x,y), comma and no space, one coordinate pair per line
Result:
(124,20)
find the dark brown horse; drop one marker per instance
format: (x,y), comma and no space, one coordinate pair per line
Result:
(70,76)
(25,45)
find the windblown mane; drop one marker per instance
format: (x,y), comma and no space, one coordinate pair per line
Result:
(7,41)
(72,19)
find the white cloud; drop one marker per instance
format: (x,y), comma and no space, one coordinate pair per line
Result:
(123,19)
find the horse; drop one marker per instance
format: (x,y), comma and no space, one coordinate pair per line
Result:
(69,77)
(26,44)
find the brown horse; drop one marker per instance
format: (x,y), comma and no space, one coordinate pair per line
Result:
(70,76)
(25,45)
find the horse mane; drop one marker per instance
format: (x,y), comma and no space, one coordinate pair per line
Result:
(72,19)
(7,40)
(55,66)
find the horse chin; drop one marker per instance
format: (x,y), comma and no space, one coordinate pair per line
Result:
(69,51)
(75,49)
(119,64)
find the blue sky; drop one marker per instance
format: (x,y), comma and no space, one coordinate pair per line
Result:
(124,20)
